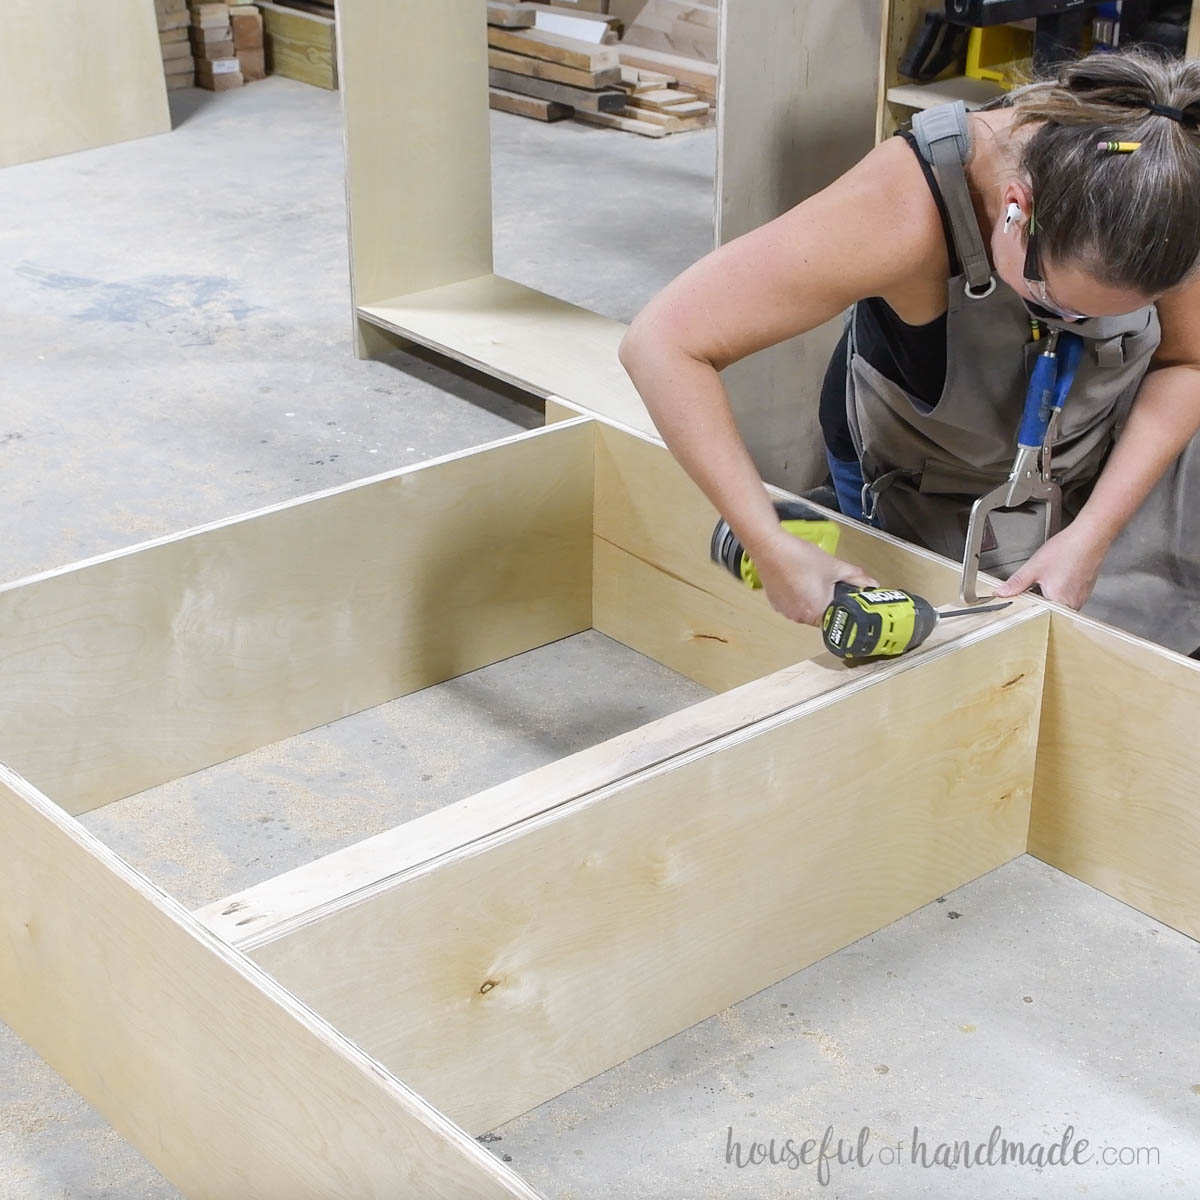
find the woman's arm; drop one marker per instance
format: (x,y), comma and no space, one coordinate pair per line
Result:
(1165,416)
(874,232)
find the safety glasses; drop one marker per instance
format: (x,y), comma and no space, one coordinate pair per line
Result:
(1035,281)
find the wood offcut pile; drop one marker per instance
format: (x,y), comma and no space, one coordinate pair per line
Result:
(211,45)
(550,62)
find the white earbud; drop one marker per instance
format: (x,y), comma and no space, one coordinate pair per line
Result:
(1014,214)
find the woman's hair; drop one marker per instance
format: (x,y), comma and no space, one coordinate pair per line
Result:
(1132,220)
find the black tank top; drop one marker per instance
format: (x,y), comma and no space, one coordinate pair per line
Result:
(912,356)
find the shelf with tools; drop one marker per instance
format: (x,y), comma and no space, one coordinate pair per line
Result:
(901,95)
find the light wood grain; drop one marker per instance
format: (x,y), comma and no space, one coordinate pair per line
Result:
(586,935)
(138,667)
(554,47)
(527,106)
(536,68)
(900,21)
(300,45)
(584,99)
(1115,797)
(271,909)
(511,16)
(75,74)
(521,336)
(1193,42)
(626,123)
(665,597)
(798,87)
(224,1081)
(418,152)
(690,72)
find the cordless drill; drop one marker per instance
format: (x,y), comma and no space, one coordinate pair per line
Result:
(861,623)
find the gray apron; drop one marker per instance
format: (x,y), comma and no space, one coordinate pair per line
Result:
(924,466)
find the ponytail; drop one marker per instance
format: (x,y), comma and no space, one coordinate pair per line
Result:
(1132,220)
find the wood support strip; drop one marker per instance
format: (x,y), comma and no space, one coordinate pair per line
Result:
(501,975)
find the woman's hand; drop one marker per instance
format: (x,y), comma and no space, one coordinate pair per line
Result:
(1065,568)
(799,577)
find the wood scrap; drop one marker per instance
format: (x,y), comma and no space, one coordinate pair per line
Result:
(510,16)
(662,97)
(578,98)
(618,121)
(527,106)
(696,76)
(553,47)
(537,68)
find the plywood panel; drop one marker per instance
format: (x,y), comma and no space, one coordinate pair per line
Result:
(75,74)
(523,337)
(136,668)
(798,107)
(502,975)
(648,507)
(1115,798)
(265,911)
(418,165)
(224,1081)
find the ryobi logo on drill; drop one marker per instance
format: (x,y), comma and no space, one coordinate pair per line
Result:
(884,596)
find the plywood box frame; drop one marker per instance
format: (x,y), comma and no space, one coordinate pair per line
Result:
(343,1029)
(418,168)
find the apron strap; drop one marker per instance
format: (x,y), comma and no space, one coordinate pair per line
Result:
(944,140)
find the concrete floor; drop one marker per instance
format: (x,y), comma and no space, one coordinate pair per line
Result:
(176,348)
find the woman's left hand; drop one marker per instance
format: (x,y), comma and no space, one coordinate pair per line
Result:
(1065,568)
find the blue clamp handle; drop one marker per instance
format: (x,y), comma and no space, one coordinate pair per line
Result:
(1053,374)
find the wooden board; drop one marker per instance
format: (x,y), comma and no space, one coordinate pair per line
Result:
(1115,794)
(658,902)
(76,75)
(578,98)
(522,336)
(400,116)
(272,909)
(553,47)
(160,660)
(527,106)
(663,97)
(536,68)
(225,1082)
(510,16)
(669,122)
(798,86)
(300,45)
(695,76)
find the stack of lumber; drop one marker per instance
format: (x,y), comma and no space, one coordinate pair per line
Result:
(548,74)
(301,40)
(676,38)
(247,24)
(217,67)
(173,22)
(654,106)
